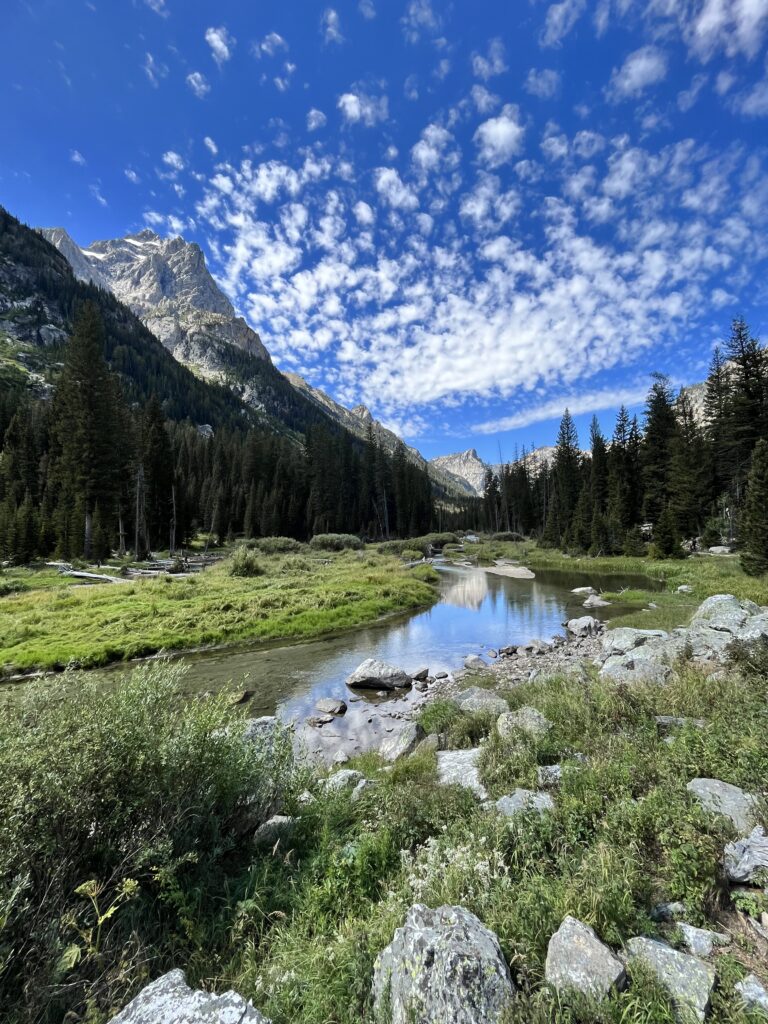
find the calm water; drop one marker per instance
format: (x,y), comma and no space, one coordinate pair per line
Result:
(476,611)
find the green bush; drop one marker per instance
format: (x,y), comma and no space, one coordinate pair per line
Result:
(125,816)
(336,542)
(244,563)
(278,545)
(411,555)
(508,535)
(424,545)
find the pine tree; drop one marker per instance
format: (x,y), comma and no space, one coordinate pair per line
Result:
(566,473)
(598,468)
(660,430)
(754,525)
(687,470)
(665,536)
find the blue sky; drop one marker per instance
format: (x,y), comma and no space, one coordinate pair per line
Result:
(466,215)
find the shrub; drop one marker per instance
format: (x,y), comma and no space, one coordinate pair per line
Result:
(423,544)
(279,545)
(336,542)
(245,563)
(125,814)
(507,535)
(411,555)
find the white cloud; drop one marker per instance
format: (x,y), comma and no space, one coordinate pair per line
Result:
(429,153)
(500,138)
(484,100)
(545,83)
(492,64)
(155,70)
(132,176)
(269,45)
(367,9)
(77,157)
(735,26)
(411,88)
(755,102)
(158,6)
(724,82)
(559,21)
(687,97)
(587,144)
(173,160)
(419,17)
(315,119)
(642,69)
(364,213)
(331,26)
(198,83)
(577,403)
(393,189)
(210,145)
(221,43)
(96,193)
(358,107)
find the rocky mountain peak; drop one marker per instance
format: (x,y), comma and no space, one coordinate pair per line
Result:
(362,412)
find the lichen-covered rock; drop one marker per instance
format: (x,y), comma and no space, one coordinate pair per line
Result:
(584,625)
(475,698)
(276,830)
(459,768)
(525,719)
(753,993)
(723,798)
(169,1000)
(373,674)
(402,741)
(701,941)
(549,776)
(578,960)
(344,779)
(688,980)
(746,860)
(624,639)
(442,966)
(522,800)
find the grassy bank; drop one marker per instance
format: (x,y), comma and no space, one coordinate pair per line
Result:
(53,622)
(297,928)
(705,575)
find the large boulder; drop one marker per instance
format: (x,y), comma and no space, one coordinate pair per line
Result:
(373,674)
(474,663)
(402,741)
(346,778)
(331,706)
(724,612)
(459,768)
(584,625)
(169,1000)
(476,698)
(442,965)
(753,993)
(688,980)
(525,719)
(595,601)
(723,798)
(522,800)
(578,960)
(746,860)
(701,941)
(624,639)
(278,828)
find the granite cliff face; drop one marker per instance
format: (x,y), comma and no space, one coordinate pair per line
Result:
(468,466)
(166,282)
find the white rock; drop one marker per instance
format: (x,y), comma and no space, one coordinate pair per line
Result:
(169,1000)
(459,767)
(522,800)
(753,993)
(688,980)
(578,961)
(723,798)
(373,674)
(746,860)
(701,941)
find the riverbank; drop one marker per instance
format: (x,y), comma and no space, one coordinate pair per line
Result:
(54,622)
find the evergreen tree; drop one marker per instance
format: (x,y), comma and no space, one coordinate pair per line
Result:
(656,452)
(687,484)
(665,536)
(598,470)
(754,526)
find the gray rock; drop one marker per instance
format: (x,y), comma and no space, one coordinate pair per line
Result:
(459,768)
(595,601)
(688,980)
(723,798)
(753,993)
(373,674)
(724,612)
(473,663)
(578,960)
(262,729)
(441,675)
(685,588)
(667,724)
(169,1000)
(624,639)
(420,674)
(360,789)
(636,672)
(583,590)
(585,625)
(331,706)
(402,742)
(277,829)
(701,941)
(549,776)
(522,800)
(344,779)
(442,966)
(719,549)
(475,698)
(668,911)
(430,744)
(318,721)
(746,860)
(493,653)
(526,719)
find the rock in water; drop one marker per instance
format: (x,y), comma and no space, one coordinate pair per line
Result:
(688,980)
(723,798)
(442,966)
(578,960)
(473,663)
(586,625)
(746,860)
(420,674)
(595,601)
(378,675)
(331,706)
(169,1000)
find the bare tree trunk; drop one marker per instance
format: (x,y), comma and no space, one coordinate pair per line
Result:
(121,532)
(88,539)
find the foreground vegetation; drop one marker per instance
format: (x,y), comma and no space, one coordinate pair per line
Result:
(125,850)
(51,623)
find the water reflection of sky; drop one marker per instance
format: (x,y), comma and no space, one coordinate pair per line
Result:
(477,611)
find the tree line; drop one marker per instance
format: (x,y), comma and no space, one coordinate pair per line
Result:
(91,472)
(680,476)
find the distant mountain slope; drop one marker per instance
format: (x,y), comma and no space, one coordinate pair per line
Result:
(357,420)
(472,469)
